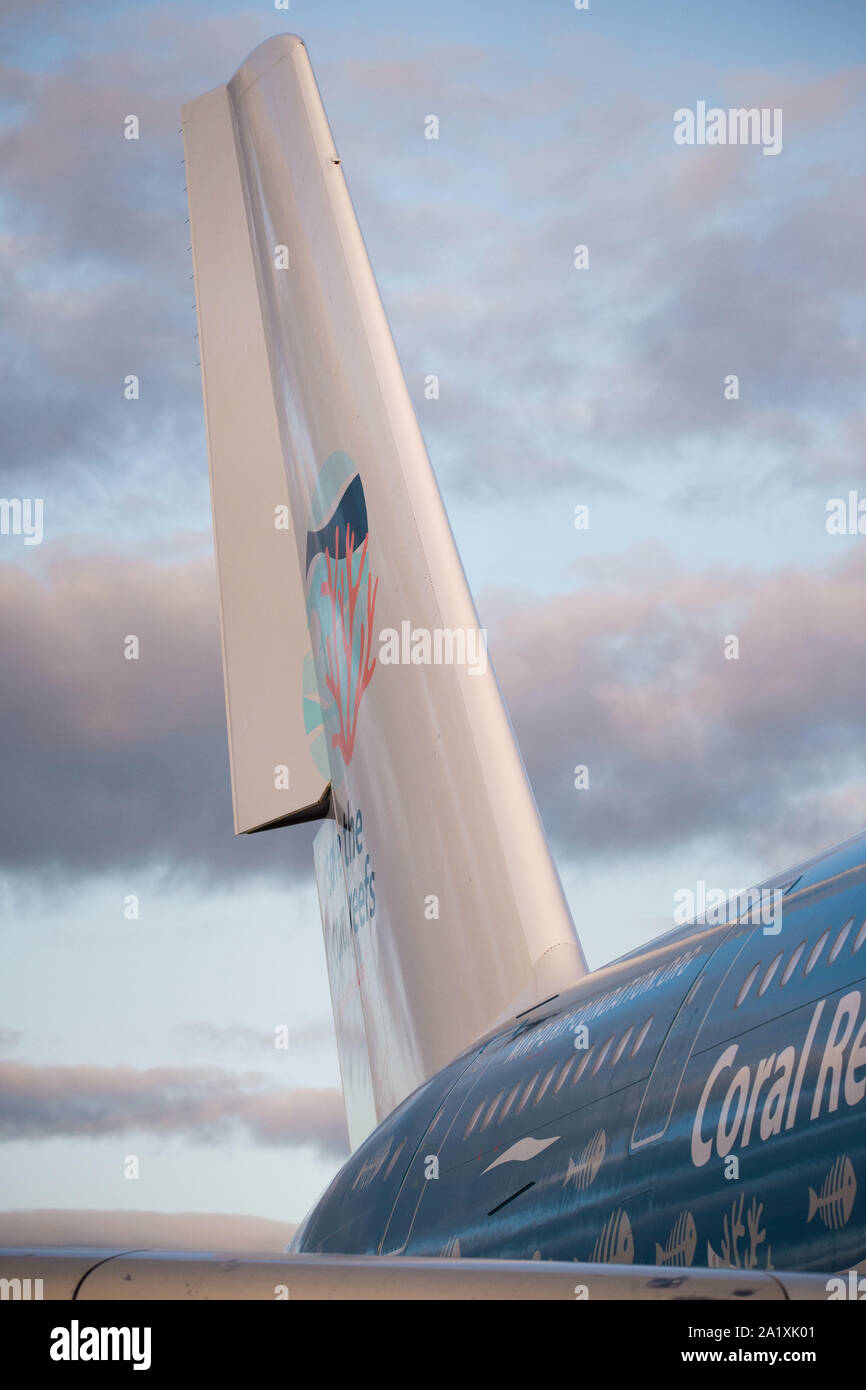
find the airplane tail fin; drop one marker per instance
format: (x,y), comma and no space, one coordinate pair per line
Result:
(442,910)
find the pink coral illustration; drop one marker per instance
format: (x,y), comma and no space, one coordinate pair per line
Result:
(343,589)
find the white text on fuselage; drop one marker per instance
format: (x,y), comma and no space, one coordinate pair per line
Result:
(760,1101)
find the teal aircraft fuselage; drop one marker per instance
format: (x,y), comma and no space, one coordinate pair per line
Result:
(699,1102)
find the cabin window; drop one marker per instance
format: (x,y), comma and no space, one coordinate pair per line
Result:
(564,1073)
(509,1101)
(747,984)
(641,1037)
(474,1121)
(792,964)
(396,1154)
(527,1093)
(583,1065)
(815,952)
(621,1046)
(491,1111)
(768,975)
(546,1082)
(438,1116)
(840,941)
(601,1056)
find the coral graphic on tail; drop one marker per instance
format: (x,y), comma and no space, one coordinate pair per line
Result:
(340,646)
(341,599)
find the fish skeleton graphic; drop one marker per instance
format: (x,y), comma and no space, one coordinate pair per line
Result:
(521,1151)
(583,1172)
(680,1246)
(835,1201)
(615,1244)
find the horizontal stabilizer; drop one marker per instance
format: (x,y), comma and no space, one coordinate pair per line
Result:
(119,1275)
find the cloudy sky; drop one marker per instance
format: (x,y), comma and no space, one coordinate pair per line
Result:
(603,387)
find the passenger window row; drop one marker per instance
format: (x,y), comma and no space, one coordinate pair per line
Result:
(518,1096)
(770,970)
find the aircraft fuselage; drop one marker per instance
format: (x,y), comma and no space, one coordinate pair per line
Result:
(700,1102)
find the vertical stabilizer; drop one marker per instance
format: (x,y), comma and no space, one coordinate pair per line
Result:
(442,908)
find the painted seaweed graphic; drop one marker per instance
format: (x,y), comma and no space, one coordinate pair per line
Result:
(346,677)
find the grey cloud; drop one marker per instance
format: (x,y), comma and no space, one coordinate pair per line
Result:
(16,9)
(625,674)
(763,753)
(96,275)
(203,1103)
(703,262)
(111,763)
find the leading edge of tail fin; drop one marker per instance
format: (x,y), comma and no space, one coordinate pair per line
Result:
(442,909)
